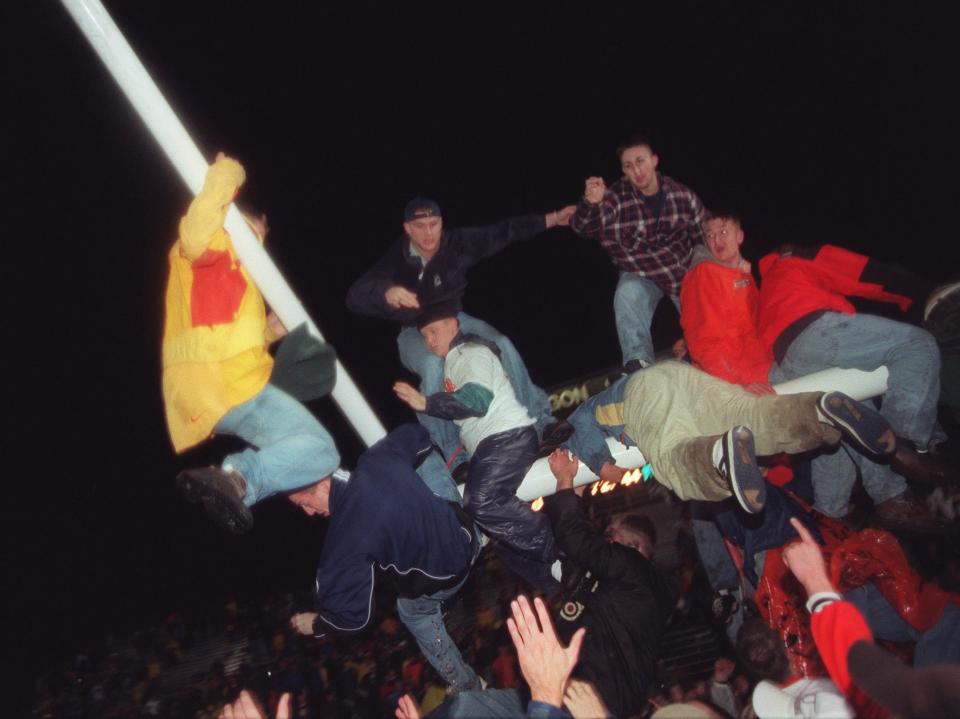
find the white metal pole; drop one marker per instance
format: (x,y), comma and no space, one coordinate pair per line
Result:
(112,47)
(857,383)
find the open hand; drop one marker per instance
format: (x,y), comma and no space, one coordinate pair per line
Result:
(412,396)
(407,708)
(246,707)
(303,622)
(546,664)
(564,466)
(399,297)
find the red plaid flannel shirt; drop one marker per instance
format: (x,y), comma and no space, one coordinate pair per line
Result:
(658,248)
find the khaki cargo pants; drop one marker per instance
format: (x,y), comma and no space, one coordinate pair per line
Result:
(675,413)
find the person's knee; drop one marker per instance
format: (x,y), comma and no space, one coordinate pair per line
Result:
(630,289)
(413,609)
(480,502)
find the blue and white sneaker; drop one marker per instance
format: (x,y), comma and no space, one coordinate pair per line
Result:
(860,424)
(738,465)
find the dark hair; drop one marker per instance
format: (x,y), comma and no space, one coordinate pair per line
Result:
(762,651)
(633,141)
(640,524)
(722,214)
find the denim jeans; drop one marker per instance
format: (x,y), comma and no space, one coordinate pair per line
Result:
(489,703)
(429,368)
(866,342)
(434,473)
(292,447)
(717,563)
(423,616)
(634,303)
(940,644)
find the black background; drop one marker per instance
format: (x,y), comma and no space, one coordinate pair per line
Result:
(817,121)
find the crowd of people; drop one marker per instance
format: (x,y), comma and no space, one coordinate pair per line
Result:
(770,477)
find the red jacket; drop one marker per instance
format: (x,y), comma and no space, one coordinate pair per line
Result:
(794,287)
(719,316)
(836,628)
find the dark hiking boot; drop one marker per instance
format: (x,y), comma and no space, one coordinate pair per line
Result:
(554,435)
(905,513)
(738,465)
(221,493)
(860,425)
(930,468)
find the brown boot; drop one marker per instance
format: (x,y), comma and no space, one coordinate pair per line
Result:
(928,467)
(905,513)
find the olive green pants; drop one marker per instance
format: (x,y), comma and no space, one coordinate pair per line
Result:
(675,413)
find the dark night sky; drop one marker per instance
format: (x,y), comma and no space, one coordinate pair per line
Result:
(818,121)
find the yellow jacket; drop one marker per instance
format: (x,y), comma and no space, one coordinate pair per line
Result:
(215,333)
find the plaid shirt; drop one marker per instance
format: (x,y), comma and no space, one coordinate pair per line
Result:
(638,241)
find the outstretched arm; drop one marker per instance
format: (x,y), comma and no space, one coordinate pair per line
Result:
(471,400)
(576,537)
(209,208)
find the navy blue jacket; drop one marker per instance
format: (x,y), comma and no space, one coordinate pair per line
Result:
(385,516)
(444,278)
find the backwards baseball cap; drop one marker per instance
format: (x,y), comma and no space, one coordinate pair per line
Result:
(420,207)
(438,311)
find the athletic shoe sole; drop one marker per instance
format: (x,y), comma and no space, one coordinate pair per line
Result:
(739,466)
(226,511)
(864,427)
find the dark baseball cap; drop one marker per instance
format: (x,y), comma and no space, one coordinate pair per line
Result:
(420,207)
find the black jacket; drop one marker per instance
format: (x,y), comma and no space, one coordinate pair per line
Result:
(624,605)
(444,278)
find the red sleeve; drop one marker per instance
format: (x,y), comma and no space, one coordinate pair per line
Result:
(718,315)
(842,269)
(836,628)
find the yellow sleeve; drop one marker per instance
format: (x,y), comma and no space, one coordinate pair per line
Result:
(208,209)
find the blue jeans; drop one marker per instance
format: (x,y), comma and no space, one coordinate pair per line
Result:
(716,560)
(429,368)
(489,703)
(940,644)
(293,448)
(634,303)
(423,616)
(436,476)
(866,342)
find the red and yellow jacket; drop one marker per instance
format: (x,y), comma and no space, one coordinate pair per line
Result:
(718,315)
(215,334)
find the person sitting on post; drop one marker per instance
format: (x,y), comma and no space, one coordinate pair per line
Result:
(649,224)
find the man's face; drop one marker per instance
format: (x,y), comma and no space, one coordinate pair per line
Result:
(615,535)
(439,334)
(315,499)
(723,237)
(639,165)
(424,233)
